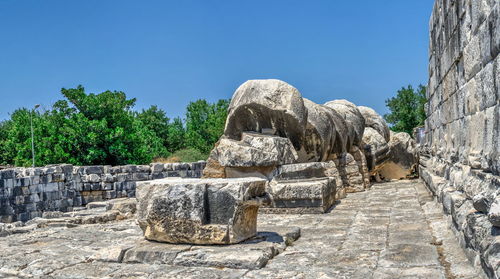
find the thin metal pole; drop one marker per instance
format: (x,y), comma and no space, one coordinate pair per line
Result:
(32,138)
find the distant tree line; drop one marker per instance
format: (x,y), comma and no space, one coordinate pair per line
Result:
(94,129)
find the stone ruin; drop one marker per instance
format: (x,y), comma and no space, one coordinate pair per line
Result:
(280,153)
(460,154)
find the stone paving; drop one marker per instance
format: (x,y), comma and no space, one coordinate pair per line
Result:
(393,230)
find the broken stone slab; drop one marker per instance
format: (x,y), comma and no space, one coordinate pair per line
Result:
(153,252)
(352,173)
(376,150)
(403,157)
(311,170)
(360,158)
(199,211)
(255,150)
(313,195)
(123,205)
(267,105)
(254,155)
(252,254)
(305,170)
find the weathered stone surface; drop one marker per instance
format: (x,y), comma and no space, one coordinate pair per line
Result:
(375,121)
(341,143)
(481,202)
(355,240)
(353,173)
(124,205)
(319,138)
(494,213)
(312,170)
(305,170)
(376,150)
(199,211)
(251,254)
(255,150)
(403,157)
(314,195)
(459,158)
(254,155)
(267,105)
(28,193)
(353,117)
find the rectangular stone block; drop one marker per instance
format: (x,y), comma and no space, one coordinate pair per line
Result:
(315,195)
(199,211)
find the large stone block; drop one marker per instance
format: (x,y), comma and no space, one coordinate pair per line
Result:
(305,170)
(267,106)
(308,195)
(199,211)
(403,157)
(254,155)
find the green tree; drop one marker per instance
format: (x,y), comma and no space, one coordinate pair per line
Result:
(90,129)
(176,135)
(83,129)
(156,120)
(406,109)
(205,123)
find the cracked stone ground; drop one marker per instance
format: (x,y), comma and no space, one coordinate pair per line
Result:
(394,230)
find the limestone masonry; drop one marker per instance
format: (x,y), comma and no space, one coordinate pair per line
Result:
(26,193)
(460,157)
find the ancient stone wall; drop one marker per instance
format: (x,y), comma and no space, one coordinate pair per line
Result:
(460,155)
(26,193)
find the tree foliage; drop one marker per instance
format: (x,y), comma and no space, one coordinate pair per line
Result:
(406,109)
(205,124)
(90,129)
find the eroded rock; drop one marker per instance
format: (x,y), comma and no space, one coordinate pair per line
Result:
(353,117)
(376,150)
(267,105)
(403,157)
(254,155)
(199,211)
(376,122)
(319,138)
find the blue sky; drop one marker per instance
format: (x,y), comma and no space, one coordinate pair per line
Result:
(171,52)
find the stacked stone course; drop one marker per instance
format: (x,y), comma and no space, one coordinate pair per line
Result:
(26,193)
(460,156)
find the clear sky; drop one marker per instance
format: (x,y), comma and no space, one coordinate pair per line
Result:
(171,52)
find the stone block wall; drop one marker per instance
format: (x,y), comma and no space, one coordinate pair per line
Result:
(460,154)
(26,193)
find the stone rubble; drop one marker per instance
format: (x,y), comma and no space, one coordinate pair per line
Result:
(392,230)
(270,125)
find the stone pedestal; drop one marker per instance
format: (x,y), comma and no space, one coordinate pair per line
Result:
(199,211)
(303,188)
